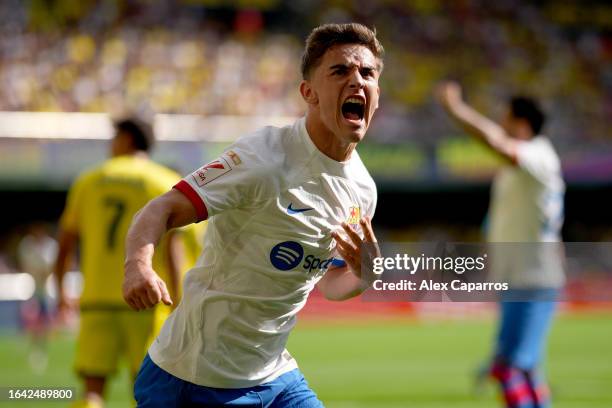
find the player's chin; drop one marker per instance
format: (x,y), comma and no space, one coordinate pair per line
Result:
(355,135)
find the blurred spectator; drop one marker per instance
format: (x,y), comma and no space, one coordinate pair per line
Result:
(193,58)
(36,255)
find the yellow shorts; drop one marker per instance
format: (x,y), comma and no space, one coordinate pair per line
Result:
(107,334)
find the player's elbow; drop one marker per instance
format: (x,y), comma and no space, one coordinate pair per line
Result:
(324,288)
(334,297)
(339,297)
(335,294)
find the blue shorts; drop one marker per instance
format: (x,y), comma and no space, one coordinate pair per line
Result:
(524,326)
(155,387)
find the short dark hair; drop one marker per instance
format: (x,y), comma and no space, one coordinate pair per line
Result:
(140,132)
(522,107)
(326,36)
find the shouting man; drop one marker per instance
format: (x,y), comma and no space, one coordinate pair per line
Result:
(289,209)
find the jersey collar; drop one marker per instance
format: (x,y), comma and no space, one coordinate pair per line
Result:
(330,165)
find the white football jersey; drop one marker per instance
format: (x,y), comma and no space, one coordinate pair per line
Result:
(527,207)
(273,200)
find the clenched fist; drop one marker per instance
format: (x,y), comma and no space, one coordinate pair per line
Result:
(142,287)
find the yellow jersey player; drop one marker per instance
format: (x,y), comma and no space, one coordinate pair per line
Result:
(101,203)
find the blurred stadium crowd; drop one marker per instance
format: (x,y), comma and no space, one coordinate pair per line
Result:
(208,58)
(221,57)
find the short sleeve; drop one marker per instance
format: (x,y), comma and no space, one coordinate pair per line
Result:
(538,158)
(237,179)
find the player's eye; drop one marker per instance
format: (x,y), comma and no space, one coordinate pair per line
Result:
(367,73)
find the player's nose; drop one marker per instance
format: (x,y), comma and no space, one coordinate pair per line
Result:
(356,81)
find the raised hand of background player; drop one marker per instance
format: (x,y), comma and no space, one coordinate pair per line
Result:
(142,287)
(449,94)
(352,248)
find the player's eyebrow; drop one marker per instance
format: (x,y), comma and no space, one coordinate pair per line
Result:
(346,67)
(338,67)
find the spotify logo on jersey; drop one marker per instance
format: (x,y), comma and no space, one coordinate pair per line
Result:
(286,255)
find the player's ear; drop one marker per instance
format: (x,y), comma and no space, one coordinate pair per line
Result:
(308,93)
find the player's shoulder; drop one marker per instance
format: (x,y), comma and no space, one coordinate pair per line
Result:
(539,159)
(89,175)
(139,167)
(541,143)
(264,143)
(154,169)
(540,149)
(137,172)
(262,151)
(260,160)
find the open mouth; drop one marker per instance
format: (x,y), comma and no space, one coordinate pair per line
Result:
(353,109)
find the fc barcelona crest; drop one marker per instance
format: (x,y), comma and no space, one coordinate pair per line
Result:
(354,215)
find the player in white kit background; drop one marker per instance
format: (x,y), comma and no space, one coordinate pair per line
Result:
(526,208)
(288,209)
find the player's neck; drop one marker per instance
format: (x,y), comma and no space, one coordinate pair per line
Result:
(523,132)
(132,153)
(326,141)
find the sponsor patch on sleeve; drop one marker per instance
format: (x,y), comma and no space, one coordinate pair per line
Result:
(234,156)
(211,171)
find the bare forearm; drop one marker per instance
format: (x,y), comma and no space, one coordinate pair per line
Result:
(171,210)
(61,266)
(148,227)
(67,245)
(142,287)
(478,125)
(341,284)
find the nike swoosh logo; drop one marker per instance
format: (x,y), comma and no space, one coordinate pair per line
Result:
(291,210)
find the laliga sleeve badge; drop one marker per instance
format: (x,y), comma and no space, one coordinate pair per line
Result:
(211,171)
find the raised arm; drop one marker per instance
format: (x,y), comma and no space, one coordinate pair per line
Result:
(478,125)
(142,287)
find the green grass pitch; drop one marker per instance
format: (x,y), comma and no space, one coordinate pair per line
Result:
(385,363)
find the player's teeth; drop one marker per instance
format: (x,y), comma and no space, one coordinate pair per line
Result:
(355,100)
